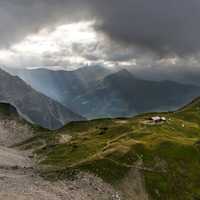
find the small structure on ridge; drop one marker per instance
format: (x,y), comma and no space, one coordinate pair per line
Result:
(158,119)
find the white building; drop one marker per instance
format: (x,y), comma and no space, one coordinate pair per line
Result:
(157,119)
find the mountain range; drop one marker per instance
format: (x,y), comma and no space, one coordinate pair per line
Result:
(32,105)
(96,92)
(61,85)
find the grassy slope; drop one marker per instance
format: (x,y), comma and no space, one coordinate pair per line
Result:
(170,152)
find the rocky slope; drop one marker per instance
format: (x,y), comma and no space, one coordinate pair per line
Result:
(32,105)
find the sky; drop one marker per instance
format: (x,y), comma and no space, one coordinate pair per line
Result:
(156,39)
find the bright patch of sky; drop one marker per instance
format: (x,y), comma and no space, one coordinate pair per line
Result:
(52,42)
(66,46)
(52,46)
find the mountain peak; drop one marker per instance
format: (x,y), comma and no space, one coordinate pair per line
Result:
(123,71)
(123,76)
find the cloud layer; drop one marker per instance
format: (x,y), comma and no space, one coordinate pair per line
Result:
(138,34)
(163,26)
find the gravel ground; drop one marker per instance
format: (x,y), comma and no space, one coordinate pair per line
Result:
(22,184)
(19,181)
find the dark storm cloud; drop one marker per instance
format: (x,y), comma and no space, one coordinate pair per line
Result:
(164,26)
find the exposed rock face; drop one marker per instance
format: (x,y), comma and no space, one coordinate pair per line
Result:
(12,132)
(32,105)
(13,128)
